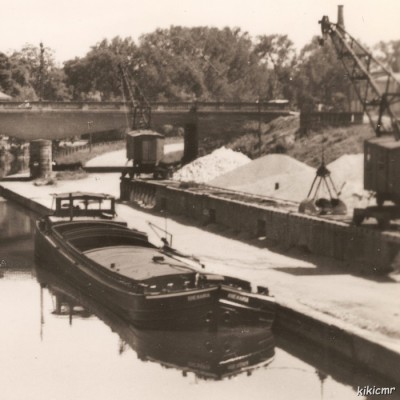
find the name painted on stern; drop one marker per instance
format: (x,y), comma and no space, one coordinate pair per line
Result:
(194,297)
(238,297)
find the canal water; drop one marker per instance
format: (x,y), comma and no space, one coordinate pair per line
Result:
(57,344)
(11,165)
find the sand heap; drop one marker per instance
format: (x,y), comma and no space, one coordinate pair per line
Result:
(276,175)
(347,173)
(282,177)
(206,168)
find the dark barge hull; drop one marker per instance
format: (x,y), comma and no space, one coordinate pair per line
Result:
(207,307)
(192,308)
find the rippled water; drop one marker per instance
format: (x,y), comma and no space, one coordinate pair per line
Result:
(56,344)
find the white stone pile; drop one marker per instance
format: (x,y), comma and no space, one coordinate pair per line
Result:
(205,169)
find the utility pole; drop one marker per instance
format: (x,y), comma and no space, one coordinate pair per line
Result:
(41,68)
(259,126)
(90,127)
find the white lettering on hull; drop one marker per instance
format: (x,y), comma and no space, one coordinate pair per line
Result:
(238,297)
(195,297)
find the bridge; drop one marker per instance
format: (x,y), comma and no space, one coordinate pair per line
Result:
(215,121)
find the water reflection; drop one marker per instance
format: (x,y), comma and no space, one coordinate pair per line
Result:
(14,224)
(16,239)
(209,355)
(12,165)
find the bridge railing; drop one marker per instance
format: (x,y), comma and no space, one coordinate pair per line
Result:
(68,150)
(156,106)
(62,105)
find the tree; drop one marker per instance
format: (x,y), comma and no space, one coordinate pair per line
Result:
(202,63)
(389,54)
(97,72)
(5,74)
(34,75)
(278,54)
(320,77)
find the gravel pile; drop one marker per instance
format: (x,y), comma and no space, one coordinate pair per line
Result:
(282,177)
(276,175)
(348,175)
(205,169)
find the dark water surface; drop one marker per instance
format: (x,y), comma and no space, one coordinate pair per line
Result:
(12,165)
(56,344)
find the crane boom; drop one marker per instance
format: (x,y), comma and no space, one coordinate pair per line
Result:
(363,70)
(141,108)
(378,90)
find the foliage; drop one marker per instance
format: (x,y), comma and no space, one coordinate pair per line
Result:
(320,77)
(187,64)
(5,74)
(281,135)
(29,74)
(389,54)
(96,76)
(198,63)
(278,54)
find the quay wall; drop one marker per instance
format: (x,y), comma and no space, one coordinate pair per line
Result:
(359,249)
(336,339)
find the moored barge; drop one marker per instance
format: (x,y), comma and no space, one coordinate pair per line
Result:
(154,287)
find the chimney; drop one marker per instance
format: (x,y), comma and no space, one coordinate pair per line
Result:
(340,18)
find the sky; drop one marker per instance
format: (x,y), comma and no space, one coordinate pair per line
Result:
(71,27)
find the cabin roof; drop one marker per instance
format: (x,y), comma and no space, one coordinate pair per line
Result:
(145,133)
(82,195)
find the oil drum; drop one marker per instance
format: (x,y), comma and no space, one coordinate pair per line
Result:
(40,158)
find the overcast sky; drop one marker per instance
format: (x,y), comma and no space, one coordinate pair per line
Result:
(71,27)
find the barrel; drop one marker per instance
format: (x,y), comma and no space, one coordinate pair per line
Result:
(40,158)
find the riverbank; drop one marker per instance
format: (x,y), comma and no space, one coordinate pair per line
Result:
(356,316)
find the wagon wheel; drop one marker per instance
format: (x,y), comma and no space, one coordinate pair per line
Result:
(383,223)
(380,199)
(358,219)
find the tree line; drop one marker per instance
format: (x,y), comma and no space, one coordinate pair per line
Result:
(188,64)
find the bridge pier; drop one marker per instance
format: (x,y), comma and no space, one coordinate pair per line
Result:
(191,136)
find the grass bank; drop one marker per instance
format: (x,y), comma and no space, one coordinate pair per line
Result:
(282,136)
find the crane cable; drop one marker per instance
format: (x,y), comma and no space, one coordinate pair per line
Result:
(125,104)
